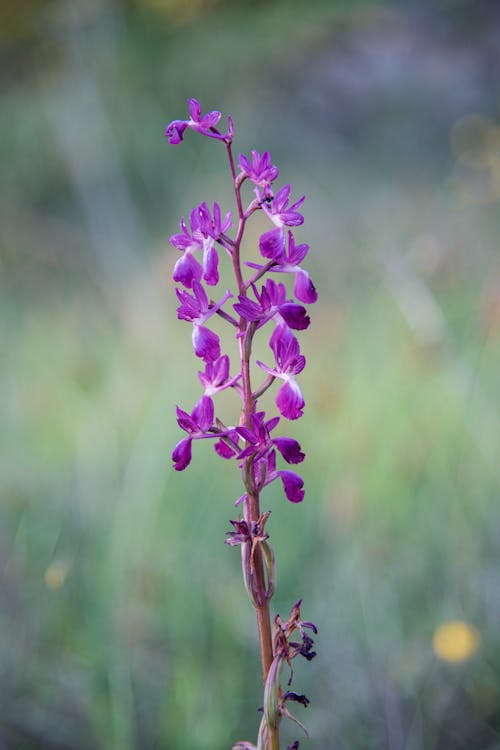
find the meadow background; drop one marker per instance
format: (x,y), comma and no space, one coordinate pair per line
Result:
(124,624)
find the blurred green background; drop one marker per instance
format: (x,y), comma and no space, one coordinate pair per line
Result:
(123,620)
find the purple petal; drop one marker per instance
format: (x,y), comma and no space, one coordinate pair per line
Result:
(203,413)
(289,400)
(181,241)
(187,270)
(211,119)
(217,221)
(297,204)
(244,164)
(247,434)
(285,348)
(189,308)
(303,288)
(271,463)
(185,420)
(206,343)
(175,131)
(272,423)
(281,196)
(272,244)
(248,309)
(292,484)
(296,365)
(224,450)
(194,109)
(295,316)
(296,253)
(289,449)
(201,296)
(291,218)
(248,451)
(274,292)
(220,371)
(210,266)
(205,219)
(181,455)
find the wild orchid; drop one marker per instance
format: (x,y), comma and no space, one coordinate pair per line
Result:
(249,310)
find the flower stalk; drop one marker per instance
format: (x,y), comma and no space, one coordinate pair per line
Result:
(249,442)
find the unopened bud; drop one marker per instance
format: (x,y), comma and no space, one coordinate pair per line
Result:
(272,692)
(246,567)
(270,562)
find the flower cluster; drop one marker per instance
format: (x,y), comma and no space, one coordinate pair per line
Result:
(257,304)
(204,235)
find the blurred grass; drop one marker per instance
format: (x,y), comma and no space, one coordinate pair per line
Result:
(123,620)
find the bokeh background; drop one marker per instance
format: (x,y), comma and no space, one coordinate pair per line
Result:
(123,619)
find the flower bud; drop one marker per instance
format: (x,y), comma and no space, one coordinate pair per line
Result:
(272,692)
(270,562)
(248,577)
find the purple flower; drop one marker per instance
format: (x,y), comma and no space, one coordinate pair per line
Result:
(288,262)
(272,243)
(265,472)
(289,362)
(260,170)
(196,425)
(216,376)
(260,443)
(278,210)
(205,232)
(195,308)
(206,125)
(272,303)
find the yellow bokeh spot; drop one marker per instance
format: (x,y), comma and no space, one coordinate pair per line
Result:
(55,575)
(455,641)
